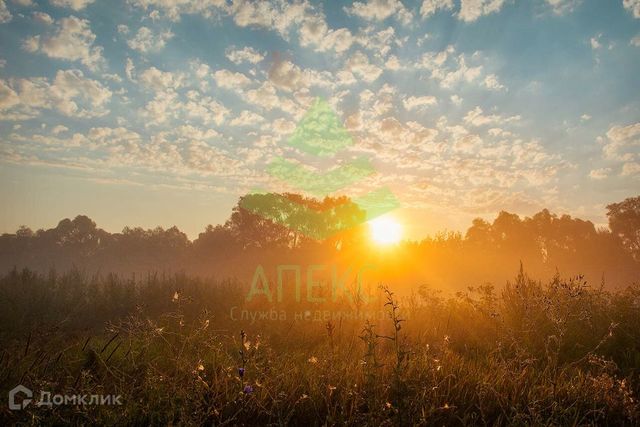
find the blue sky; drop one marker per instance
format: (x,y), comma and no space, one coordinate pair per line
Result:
(163,112)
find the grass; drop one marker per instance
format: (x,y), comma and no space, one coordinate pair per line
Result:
(559,353)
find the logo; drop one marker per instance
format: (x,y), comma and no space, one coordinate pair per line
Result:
(12,397)
(320,137)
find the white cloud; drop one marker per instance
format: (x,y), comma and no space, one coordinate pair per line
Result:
(491,82)
(247,54)
(585,117)
(70,93)
(630,169)
(623,143)
(414,102)
(314,31)
(231,80)
(476,117)
(290,77)
(72,41)
(379,10)
(595,42)
(359,65)
(246,118)
(129,69)
(632,6)
(59,129)
(635,41)
(599,174)
(72,4)
(160,80)
(42,18)
(471,10)
(5,15)
(560,7)
(429,7)
(172,9)
(146,40)
(168,105)
(380,42)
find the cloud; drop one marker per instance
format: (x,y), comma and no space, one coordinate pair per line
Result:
(70,93)
(635,41)
(247,54)
(288,76)
(42,18)
(630,169)
(168,105)
(471,10)
(623,143)
(595,42)
(231,80)
(172,9)
(561,7)
(380,42)
(160,80)
(72,4)
(129,69)
(359,65)
(632,6)
(379,10)
(5,15)
(59,129)
(247,118)
(491,82)
(416,102)
(146,40)
(430,7)
(476,117)
(599,174)
(315,32)
(72,41)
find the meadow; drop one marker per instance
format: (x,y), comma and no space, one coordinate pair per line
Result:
(183,350)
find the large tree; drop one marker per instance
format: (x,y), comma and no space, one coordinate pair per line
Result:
(624,222)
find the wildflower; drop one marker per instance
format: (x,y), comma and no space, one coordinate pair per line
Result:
(241,372)
(313,359)
(200,367)
(248,389)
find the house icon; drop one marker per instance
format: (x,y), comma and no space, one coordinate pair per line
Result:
(13,405)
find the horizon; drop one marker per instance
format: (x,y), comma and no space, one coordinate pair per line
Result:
(406,237)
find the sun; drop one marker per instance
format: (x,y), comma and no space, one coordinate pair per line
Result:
(385,231)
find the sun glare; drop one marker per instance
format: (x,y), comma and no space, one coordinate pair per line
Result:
(385,231)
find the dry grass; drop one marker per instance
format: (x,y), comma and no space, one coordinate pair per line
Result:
(561,353)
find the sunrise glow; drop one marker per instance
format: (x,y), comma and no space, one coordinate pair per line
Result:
(385,230)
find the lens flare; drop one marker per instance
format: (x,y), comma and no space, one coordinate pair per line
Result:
(385,230)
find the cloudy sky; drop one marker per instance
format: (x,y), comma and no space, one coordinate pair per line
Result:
(163,112)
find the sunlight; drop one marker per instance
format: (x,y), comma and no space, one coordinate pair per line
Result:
(385,231)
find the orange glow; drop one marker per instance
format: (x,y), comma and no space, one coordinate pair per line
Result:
(385,230)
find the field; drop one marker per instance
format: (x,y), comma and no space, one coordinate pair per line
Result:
(185,351)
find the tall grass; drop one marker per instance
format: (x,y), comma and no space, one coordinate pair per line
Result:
(529,353)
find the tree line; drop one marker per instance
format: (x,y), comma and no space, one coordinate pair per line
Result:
(271,229)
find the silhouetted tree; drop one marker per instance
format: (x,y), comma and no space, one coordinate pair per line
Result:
(624,222)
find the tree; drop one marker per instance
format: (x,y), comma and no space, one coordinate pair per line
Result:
(624,222)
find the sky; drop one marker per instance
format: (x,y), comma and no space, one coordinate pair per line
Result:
(163,112)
